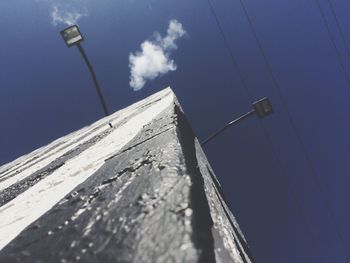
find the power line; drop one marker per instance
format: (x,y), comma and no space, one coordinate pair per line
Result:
(333,43)
(293,124)
(266,133)
(339,26)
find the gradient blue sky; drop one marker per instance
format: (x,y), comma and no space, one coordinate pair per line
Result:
(290,209)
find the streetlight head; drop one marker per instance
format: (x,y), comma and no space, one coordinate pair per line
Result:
(72,35)
(263,107)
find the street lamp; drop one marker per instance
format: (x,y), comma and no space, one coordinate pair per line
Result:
(261,108)
(72,36)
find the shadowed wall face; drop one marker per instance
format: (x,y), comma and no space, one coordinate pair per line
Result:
(142,191)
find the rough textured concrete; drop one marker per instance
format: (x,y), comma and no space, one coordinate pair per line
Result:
(155,200)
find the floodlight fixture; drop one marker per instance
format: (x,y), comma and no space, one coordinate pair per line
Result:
(72,35)
(261,108)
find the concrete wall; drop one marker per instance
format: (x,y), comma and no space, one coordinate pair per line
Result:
(141,191)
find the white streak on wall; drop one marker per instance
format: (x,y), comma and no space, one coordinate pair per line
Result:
(47,158)
(30,168)
(114,118)
(38,153)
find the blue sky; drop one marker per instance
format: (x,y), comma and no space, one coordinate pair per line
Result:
(287,185)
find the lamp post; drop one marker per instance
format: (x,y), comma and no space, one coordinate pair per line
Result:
(72,36)
(261,108)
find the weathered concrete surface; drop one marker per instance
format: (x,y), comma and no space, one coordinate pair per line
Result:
(155,200)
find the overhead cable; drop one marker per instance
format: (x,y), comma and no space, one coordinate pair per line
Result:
(266,133)
(314,174)
(325,22)
(341,32)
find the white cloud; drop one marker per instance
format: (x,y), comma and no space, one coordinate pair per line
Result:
(66,14)
(154,58)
